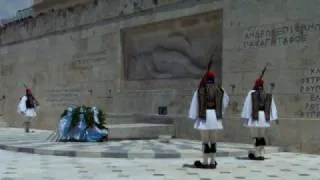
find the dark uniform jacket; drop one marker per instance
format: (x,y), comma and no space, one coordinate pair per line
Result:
(261,101)
(210,96)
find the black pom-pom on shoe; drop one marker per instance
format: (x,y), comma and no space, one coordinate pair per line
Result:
(214,165)
(251,156)
(197,164)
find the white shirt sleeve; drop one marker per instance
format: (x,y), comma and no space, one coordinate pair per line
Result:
(273,111)
(225,102)
(193,110)
(22,105)
(247,106)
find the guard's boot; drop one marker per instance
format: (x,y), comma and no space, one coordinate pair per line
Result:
(253,153)
(205,153)
(262,143)
(27,127)
(213,163)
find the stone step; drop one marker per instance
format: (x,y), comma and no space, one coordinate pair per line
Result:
(139,131)
(133,149)
(53,137)
(14,139)
(132,131)
(137,118)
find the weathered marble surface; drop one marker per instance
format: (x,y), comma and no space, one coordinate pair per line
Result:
(173,49)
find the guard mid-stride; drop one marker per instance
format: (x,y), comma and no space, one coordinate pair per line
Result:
(27,108)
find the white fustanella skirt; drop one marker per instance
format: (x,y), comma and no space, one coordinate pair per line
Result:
(211,122)
(259,123)
(30,113)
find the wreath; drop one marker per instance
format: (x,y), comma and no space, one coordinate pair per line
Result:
(88,116)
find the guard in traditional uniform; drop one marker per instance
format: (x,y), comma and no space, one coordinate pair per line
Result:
(207,109)
(27,108)
(259,110)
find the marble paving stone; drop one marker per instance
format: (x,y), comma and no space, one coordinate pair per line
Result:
(87,168)
(279,165)
(36,143)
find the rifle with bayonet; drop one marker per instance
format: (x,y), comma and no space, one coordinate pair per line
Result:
(208,68)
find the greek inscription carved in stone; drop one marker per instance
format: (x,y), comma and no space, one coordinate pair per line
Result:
(310,85)
(83,61)
(311,82)
(63,96)
(278,35)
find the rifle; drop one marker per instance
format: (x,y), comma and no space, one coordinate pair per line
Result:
(262,73)
(208,66)
(204,76)
(211,59)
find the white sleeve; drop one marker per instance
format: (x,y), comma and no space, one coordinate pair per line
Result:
(273,112)
(22,105)
(247,107)
(225,102)
(193,110)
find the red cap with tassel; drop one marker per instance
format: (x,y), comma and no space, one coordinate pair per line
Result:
(211,75)
(259,82)
(28,91)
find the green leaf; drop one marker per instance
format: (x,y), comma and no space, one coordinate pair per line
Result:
(102,119)
(75,117)
(89,117)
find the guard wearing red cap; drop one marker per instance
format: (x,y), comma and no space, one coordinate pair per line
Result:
(259,110)
(26,108)
(207,108)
